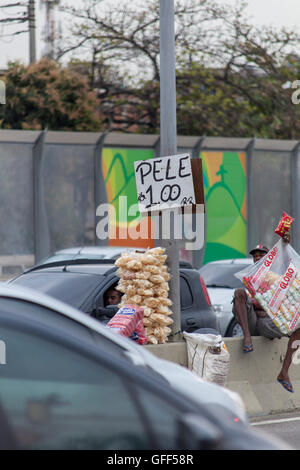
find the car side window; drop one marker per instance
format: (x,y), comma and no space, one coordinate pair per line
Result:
(56,398)
(50,319)
(186,296)
(100,300)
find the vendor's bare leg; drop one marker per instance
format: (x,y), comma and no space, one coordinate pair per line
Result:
(292,346)
(240,299)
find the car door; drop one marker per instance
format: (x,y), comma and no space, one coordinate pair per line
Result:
(196,310)
(58,391)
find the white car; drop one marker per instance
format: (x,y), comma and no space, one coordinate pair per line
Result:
(221,283)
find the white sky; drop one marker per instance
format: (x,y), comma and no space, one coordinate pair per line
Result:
(263,12)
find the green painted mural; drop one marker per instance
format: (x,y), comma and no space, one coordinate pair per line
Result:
(224,178)
(118,173)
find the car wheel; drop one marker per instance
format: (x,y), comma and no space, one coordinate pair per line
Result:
(234,329)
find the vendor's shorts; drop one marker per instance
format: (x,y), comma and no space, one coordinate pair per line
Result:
(259,326)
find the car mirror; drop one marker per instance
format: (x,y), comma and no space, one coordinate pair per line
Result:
(197,433)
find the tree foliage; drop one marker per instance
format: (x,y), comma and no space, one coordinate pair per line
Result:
(233,78)
(45,94)
(231,75)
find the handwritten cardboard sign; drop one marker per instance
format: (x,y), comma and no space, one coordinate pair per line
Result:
(164,183)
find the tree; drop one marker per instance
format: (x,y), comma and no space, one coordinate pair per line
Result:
(230,74)
(45,94)
(122,42)
(15,13)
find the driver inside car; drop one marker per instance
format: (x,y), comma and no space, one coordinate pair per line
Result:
(112,298)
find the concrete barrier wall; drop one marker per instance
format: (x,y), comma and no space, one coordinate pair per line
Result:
(252,375)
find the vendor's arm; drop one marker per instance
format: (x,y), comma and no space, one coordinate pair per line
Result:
(255,304)
(104,314)
(260,312)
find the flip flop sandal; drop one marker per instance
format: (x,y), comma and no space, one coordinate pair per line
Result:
(248,348)
(286,385)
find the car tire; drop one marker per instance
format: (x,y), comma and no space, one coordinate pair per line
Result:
(234,329)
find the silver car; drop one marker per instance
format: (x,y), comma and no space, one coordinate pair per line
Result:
(87,252)
(220,280)
(68,382)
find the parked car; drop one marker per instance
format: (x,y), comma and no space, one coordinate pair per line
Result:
(68,382)
(220,280)
(87,252)
(83,283)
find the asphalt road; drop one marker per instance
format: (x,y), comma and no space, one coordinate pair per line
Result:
(283,426)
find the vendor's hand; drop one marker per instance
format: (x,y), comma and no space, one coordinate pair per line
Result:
(261,313)
(286,238)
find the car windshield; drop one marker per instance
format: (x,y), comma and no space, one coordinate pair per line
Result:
(222,275)
(72,288)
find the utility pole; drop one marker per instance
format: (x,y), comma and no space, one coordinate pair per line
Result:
(32,31)
(168,141)
(50,27)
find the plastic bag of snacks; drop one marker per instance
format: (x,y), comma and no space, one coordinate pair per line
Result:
(284,224)
(274,281)
(144,281)
(208,357)
(128,321)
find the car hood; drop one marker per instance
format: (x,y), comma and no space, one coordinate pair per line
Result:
(194,387)
(179,377)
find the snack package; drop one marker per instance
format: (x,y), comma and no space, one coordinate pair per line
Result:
(284,224)
(128,321)
(274,281)
(140,334)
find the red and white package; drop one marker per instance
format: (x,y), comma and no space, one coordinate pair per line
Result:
(127,320)
(274,282)
(139,333)
(284,224)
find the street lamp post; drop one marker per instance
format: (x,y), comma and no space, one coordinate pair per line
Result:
(168,140)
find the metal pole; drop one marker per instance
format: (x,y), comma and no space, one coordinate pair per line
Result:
(251,240)
(32,29)
(100,195)
(168,142)
(41,226)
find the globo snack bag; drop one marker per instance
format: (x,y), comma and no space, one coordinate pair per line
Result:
(274,281)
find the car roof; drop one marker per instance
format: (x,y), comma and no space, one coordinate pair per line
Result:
(90,251)
(232,261)
(95,249)
(86,265)
(91,266)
